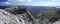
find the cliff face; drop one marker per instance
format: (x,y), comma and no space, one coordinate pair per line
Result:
(9,18)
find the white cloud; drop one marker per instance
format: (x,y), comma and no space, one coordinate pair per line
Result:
(33,3)
(23,0)
(7,2)
(29,0)
(55,0)
(43,3)
(20,0)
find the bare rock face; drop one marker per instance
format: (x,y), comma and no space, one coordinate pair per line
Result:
(9,18)
(57,22)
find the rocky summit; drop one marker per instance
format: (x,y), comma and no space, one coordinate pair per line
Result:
(9,18)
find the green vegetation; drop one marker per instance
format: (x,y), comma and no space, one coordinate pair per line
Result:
(51,12)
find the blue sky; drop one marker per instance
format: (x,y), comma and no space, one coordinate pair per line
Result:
(3,0)
(34,2)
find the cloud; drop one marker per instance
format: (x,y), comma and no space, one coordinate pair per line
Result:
(29,0)
(20,0)
(7,2)
(55,0)
(43,4)
(23,0)
(34,3)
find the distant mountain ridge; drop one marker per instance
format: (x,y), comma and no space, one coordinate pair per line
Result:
(38,8)
(32,8)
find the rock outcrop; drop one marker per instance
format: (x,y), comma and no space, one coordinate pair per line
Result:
(9,18)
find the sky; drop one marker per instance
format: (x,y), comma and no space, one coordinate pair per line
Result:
(31,2)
